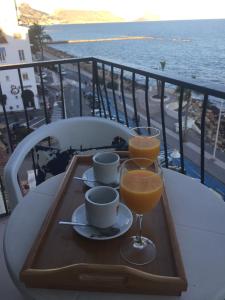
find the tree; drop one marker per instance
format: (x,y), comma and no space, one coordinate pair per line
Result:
(38,37)
(163,64)
(187,96)
(158,82)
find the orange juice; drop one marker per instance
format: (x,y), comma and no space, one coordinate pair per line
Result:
(144,146)
(141,190)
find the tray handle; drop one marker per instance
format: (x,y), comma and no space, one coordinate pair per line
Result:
(81,275)
(95,275)
(106,278)
(102,277)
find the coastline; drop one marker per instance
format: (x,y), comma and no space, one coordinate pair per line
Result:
(55,53)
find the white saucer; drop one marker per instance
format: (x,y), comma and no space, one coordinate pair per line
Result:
(89,174)
(123,223)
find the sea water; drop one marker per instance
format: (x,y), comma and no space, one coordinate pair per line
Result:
(191,49)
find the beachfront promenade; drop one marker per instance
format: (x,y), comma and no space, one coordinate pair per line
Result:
(216,167)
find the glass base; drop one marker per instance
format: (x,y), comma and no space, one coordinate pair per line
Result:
(138,251)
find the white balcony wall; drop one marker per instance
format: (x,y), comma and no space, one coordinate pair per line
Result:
(17,40)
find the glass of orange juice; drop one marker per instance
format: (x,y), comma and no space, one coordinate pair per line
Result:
(144,142)
(140,189)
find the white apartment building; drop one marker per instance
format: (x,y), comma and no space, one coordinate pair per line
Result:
(14,49)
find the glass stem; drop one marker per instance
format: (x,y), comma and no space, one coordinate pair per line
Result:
(139,234)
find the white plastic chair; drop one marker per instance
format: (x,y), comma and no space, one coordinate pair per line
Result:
(89,132)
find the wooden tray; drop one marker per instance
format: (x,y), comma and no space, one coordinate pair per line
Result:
(62,259)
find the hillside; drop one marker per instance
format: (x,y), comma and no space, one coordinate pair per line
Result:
(29,16)
(81,16)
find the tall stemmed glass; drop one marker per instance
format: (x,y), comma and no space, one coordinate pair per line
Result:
(140,189)
(145,142)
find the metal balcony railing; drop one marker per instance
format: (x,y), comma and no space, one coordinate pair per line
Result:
(92,86)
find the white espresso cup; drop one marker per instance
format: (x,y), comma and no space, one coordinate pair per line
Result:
(105,166)
(102,205)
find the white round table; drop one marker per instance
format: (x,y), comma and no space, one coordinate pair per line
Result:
(199,217)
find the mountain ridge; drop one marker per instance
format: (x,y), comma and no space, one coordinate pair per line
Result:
(29,16)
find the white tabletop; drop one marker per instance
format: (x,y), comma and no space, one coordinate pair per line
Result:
(199,217)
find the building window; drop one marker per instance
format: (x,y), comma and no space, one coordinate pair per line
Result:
(21,55)
(2,54)
(25,76)
(7,78)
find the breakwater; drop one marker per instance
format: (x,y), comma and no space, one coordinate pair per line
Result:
(99,40)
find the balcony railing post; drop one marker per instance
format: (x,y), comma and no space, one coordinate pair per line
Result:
(24,104)
(147,102)
(2,190)
(106,92)
(217,130)
(204,108)
(100,97)
(114,94)
(98,90)
(123,97)
(6,121)
(64,114)
(27,122)
(134,100)
(180,122)
(80,92)
(163,124)
(43,94)
(94,80)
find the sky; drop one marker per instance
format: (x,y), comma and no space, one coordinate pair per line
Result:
(128,9)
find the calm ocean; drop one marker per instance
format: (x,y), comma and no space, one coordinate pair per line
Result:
(190,48)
